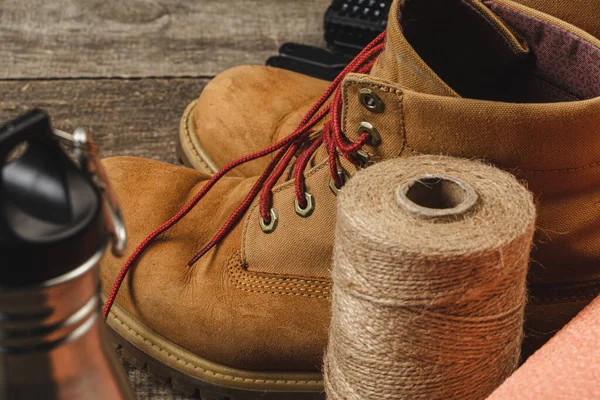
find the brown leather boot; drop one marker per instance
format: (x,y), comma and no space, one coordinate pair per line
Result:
(248,318)
(248,108)
(242,110)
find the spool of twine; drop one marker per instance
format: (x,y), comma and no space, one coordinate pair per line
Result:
(430,264)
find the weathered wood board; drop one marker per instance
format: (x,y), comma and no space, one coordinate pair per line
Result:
(148,38)
(137,117)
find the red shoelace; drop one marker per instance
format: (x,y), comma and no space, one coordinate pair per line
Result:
(300,140)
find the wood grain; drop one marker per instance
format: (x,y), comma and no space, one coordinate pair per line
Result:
(148,387)
(148,38)
(127,117)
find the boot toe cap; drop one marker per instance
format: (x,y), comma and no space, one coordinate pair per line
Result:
(247,108)
(200,309)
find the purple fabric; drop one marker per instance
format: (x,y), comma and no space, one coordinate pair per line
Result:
(567,66)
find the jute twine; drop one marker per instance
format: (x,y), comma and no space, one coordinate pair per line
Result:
(430,263)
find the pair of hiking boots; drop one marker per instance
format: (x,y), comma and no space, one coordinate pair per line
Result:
(229,296)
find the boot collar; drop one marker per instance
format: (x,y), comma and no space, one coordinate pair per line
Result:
(422,114)
(535,137)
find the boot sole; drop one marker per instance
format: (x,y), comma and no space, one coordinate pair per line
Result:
(193,375)
(189,150)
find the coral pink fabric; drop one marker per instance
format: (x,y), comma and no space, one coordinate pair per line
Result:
(567,367)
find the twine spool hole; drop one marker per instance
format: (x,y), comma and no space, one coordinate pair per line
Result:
(434,196)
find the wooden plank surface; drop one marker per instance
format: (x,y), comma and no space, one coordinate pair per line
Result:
(148,38)
(127,117)
(147,387)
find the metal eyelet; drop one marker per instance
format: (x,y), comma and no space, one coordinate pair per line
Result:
(270,227)
(375,137)
(363,158)
(371,101)
(343,178)
(310,206)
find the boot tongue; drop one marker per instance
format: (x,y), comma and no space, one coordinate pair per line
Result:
(451,48)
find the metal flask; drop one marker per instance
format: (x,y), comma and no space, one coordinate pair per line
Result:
(57,216)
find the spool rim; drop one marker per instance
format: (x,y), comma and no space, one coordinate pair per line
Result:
(467,201)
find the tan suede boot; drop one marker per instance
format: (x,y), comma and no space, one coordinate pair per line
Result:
(230,118)
(249,317)
(243,110)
